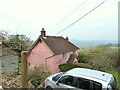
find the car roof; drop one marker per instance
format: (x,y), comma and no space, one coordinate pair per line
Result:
(90,73)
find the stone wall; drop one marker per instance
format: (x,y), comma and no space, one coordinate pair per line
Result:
(9,63)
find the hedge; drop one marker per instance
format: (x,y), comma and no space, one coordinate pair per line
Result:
(67,66)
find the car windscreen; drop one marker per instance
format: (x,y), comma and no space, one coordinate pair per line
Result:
(113,83)
(55,78)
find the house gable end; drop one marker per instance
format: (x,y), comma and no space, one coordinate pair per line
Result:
(47,46)
(36,42)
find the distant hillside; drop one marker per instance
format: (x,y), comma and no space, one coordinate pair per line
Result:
(91,43)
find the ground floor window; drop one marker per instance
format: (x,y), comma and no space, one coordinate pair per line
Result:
(64,55)
(29,64)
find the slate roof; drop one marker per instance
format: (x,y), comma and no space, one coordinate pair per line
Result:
(56,44)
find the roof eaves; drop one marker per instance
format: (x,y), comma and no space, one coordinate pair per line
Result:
(66,51)
(74,45)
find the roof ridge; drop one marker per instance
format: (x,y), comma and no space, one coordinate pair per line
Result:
(55,36)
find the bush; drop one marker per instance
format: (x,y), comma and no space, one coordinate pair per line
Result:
(67,66)
(37,76)
(81,57)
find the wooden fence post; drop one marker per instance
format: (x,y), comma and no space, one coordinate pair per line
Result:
(24,69)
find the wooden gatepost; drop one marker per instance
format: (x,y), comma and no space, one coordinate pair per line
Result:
(24,55)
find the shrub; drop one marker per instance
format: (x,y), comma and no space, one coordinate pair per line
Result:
(37,76)
(67,66)
(81,57)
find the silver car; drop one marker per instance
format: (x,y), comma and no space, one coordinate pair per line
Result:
(81,79)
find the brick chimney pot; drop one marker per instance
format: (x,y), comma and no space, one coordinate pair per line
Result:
(43,32)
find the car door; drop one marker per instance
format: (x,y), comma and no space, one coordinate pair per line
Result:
(96,85)
(83,84)
(66,82)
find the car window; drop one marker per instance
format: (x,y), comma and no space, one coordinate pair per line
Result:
(83,84)
(67,80)
(55,78)
(97,86)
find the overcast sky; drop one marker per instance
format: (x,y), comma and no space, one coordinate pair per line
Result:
(30,16)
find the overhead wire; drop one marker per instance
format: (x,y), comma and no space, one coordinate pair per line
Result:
(81,17)
(68,15)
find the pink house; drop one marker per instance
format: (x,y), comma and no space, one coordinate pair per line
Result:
(51,51)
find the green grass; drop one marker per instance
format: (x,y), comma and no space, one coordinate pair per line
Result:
(115,48)
(92,51)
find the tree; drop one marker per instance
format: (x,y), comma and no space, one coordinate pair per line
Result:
(3,35)
(17,42)
(20,42)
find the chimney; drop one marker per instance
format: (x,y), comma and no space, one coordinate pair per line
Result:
(43,32)
(67,38)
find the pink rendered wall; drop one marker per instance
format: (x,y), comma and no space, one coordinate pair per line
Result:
(53,62)
(76,52)
(51,66)
(38,54)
